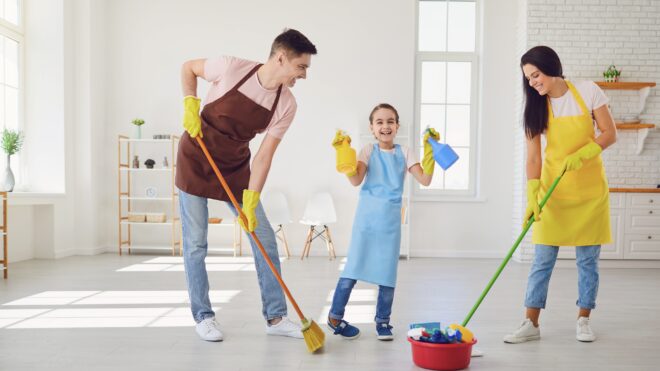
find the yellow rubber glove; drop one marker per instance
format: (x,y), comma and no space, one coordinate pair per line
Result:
(533,208)
(250,202)
(191,121)
(346,157)
(428,163)
(588,151)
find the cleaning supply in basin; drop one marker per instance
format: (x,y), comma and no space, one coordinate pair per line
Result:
(432,332)
(467,335)
(416,333)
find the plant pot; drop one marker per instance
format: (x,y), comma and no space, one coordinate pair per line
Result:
(138,132)
(8,180)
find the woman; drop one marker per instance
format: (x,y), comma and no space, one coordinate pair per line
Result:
(577,213)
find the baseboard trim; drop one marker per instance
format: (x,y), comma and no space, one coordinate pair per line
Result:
(478,254)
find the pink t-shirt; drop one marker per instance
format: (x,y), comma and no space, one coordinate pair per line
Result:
(409,155)
(225,72)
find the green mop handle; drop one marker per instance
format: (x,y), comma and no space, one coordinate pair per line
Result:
(512,250)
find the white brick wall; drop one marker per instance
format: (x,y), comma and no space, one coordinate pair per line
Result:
(589,35)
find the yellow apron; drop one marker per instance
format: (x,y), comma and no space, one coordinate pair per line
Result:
(578,212)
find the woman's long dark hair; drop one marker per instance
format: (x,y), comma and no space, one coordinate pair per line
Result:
(536,105)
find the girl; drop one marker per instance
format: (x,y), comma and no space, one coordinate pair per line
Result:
(374,251)
(577,214)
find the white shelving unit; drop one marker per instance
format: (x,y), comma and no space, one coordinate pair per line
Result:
(128,202)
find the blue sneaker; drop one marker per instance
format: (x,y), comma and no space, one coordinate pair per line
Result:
(346,330)
(384,331)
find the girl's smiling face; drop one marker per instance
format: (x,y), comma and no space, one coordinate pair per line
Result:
(384,125)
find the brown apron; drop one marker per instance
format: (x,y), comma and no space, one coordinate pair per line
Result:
(228,125)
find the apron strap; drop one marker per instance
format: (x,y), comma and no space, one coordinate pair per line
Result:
(247,76)
(277,99)
(578,99)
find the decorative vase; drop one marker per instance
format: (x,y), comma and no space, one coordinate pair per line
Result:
(138,132)
(8,182)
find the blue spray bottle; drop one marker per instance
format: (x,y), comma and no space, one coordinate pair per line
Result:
(443,154)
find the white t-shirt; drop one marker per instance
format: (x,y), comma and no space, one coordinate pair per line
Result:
(591,94)
(409,155)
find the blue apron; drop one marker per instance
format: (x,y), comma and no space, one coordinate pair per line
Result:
(373,255)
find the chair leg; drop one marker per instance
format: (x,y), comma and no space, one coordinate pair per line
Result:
(307,243)
(311,238)
(331,246)
(286,245)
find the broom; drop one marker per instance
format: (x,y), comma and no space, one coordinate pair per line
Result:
(314,336)
(528,225)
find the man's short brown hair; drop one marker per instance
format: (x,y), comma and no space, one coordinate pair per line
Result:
(293,42)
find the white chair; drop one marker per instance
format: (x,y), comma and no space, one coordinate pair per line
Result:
(319,211)
(277,209)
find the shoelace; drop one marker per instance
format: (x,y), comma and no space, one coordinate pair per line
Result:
(584,328)
(386,326)
(210,325)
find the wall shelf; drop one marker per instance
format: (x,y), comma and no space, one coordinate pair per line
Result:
(628,85)
(644,90)
(634,190)
(633,126)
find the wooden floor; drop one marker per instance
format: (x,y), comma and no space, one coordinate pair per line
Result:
(109,312)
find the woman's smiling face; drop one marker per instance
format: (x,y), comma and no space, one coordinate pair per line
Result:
(539,81)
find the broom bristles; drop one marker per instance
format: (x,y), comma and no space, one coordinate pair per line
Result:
(313,334)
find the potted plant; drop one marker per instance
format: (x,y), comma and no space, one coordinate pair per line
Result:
(11,144)
(138,127)
(611,74)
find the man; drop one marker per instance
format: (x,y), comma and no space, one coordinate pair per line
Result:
(245,98)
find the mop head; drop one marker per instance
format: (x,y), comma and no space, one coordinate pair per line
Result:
(314,336)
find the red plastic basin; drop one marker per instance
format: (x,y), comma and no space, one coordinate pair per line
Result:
(441,356)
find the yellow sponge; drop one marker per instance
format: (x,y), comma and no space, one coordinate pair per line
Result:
(467,335)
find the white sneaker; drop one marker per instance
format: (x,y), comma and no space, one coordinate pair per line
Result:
(285,328)
(583,330)
(526,332)
(209,330)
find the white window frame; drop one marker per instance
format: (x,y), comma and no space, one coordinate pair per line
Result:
(423,194)
(17,33)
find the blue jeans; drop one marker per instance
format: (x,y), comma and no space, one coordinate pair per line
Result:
(343,293)
(194,220)
(544,261)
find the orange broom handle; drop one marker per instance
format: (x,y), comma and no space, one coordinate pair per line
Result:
(244,219)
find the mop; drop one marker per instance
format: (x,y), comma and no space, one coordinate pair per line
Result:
(312,333)
(511,251)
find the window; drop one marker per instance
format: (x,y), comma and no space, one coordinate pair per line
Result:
(11,46)
(445,97)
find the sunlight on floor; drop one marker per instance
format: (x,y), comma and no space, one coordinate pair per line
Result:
(100,317)
(355,313)
(175,264)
